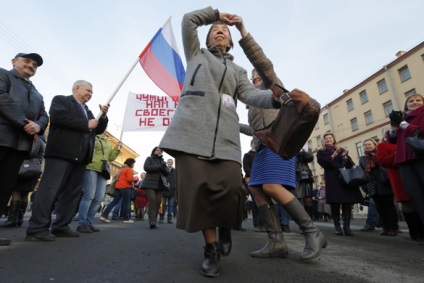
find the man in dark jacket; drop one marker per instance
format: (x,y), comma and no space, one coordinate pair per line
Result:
(22,119)
(69,149)
(168,197)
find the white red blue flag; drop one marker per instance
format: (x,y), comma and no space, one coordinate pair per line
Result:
(162,62)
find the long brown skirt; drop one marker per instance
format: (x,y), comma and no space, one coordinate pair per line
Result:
(210,193)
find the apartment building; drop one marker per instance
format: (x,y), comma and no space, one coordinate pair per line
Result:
(362,111)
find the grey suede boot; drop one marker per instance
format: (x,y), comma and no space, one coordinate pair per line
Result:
(315,240)
(276,246)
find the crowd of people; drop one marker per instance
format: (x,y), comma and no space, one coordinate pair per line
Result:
(203,138)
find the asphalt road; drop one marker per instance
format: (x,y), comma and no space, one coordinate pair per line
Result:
(133,253)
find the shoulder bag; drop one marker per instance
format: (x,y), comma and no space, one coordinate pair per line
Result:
(353,177)
(30,168)
(105,165)
(295,121)
(416,144)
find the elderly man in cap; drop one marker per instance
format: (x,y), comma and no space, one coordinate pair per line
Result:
(22,119)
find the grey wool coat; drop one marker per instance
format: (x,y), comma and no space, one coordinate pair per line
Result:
(202,124)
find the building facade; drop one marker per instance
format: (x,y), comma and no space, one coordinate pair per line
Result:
(362,112)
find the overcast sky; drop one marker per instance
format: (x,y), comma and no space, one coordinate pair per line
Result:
(321,47)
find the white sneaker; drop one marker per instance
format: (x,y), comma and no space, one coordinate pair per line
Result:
(104,219)
(128,221)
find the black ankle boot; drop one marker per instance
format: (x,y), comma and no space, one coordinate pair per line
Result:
(224,236)
(335,211)
(211,263)
(347,216)
(12,220)
(22,213)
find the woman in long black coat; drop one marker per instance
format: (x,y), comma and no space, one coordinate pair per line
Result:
(332,157)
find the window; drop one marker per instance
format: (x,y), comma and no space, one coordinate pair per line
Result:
(368,117)
(317,126)
(359,149)
(364,97)
(350,106)
(404,73)
(310,144)
(409,92)
(326,119)
(382,86)
(319,141)
(388,107)
(354,123)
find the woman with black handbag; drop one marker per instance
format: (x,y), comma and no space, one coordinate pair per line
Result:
(94,184)
(26,183)
(331,157)
(378,187)
(154,183)
(411,167)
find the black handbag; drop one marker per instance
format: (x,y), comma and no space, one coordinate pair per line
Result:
(416,144)
(353,177)
(30,168)
(105,166)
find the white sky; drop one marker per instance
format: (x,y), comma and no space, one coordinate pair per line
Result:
(321,47)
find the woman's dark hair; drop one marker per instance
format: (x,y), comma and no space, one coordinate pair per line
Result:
(154,149)
(129,161)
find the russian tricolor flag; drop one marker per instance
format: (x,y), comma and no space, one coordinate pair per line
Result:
(162,62)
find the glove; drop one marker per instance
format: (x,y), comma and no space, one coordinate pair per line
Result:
(404,125)
(395,118)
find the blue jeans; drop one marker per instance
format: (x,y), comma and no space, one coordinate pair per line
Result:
(93,188)
(372,214)
(116,209)
(125,195)
(282,215)
(167,204)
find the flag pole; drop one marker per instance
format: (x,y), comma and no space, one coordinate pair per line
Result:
(118,87)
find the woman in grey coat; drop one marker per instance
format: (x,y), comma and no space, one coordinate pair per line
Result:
(203,136)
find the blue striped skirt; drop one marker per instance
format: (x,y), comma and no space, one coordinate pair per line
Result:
(270,168)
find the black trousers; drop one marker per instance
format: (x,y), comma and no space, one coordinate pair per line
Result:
(387,212)
(10,162)
(413,180)
(61,178)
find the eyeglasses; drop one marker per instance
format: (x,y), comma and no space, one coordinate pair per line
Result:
(160,150)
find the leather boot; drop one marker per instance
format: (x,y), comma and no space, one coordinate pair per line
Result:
(335,211)
(347,215)
(211,263)
(276,246)
(415,226)
(315,240)
(224,240)
(21,214)
(12,220)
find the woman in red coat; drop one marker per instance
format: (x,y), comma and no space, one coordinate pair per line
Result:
(386,157)
(411,168)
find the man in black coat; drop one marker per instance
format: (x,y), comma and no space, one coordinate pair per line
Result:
(69,149)
(22,119)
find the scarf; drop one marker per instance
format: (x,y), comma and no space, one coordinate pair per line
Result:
(371,162)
